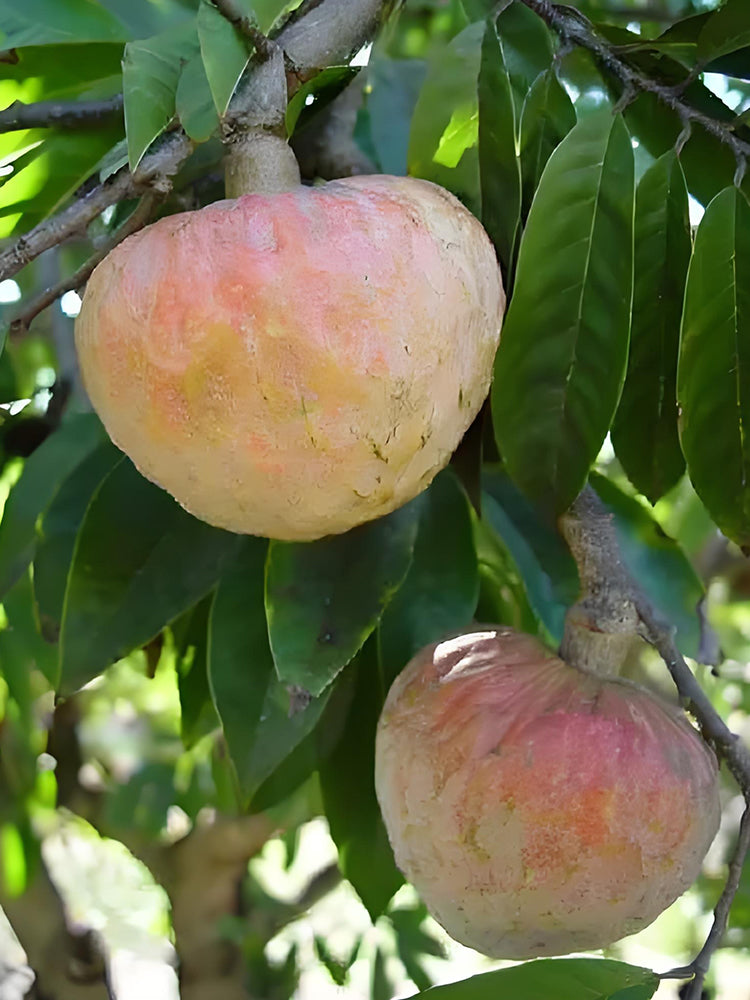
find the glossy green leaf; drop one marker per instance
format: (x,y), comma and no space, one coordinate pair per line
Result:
(140,560)
(194,103)
(445,124)
(393,87)
(314,95)
(547,117)
(499,167)
(561,978)
(562,356)
(347,781)
(644,433)
(150,73)
(713,378)
(658,564)
(324,598)
(502,595)
(43,473)
(52,22)
(225,53)
(440,591)
(57,532)
(261,724)
(727,30)
(543,560)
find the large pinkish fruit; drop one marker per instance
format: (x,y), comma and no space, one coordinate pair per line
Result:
(294,364)
(536,808)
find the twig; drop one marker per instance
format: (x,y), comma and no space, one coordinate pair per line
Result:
(716,732)
(591,534)
(153,171)
(700,964)
(229,10)
(61,114)
(135,221)
(574,27)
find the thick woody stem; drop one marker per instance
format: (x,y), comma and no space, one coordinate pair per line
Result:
(601,626)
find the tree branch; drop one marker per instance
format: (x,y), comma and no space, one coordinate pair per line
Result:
(62,114)
(575,29)
(232,13)
(152,172)
(700,964)
(137,220)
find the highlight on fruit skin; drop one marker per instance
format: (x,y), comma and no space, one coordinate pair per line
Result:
(538,809)
(291,365)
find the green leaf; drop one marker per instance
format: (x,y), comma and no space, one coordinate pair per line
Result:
(527,49)
(561,978)
(393,87)
(727,30)
(197,714)
(194,103)
(260,725)
(713,378)
(58,530)
(563,350)
(52,169)
(51,22)
(42,474)
(324,598)
(546,566)
(644,433)
(499,167)
(439,594)
(347,781)
(150,73)
(658,563)
(547,117)
(140,560)
(445,123)
(225,53)
(22,648)
(323,88)
(149,17)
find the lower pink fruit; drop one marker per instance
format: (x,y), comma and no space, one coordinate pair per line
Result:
(539,809)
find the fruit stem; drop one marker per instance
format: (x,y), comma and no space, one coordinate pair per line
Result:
(259,162)
(258,159)
(601,626)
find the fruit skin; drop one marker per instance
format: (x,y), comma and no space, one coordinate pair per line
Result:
(291,365)
(538,809)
